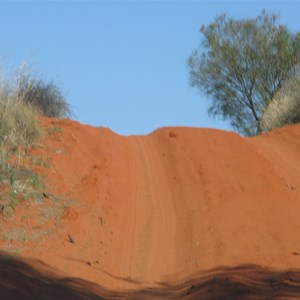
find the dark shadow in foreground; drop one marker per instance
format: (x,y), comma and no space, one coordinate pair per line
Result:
(26,281)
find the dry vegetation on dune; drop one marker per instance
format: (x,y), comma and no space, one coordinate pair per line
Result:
(23,100)
(284,108)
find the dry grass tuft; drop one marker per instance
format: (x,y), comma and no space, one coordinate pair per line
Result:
(19,124)
(284,108)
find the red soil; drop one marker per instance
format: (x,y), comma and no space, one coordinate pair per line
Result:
(166,211)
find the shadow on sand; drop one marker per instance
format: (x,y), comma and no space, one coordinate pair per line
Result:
(24,281)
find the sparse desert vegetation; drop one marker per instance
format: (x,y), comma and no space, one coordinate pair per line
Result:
(284,108)
(23,100)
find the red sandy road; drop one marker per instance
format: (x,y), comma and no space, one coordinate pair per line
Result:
(155,215)
(162,207)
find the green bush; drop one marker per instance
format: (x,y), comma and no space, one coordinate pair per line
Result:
(284,108)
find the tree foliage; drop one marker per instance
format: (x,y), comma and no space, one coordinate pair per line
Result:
(240,65)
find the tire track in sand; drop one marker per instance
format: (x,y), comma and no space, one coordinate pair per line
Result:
(140,233)
(160,229)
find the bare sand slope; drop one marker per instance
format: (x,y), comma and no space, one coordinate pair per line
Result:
(166,211)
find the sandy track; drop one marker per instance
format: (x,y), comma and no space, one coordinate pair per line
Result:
(156,217)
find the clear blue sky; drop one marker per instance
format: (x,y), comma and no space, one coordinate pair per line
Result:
(122,64)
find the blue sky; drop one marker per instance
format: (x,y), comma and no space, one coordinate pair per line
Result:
(122,64)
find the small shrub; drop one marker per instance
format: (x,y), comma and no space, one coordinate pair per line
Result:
(46,98)
(19,124)
(284,108)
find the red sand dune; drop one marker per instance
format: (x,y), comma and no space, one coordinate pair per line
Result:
(182,213)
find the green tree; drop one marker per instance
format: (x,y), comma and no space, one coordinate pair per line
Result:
(240,65)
